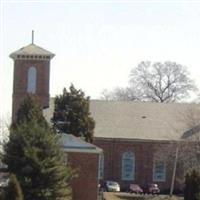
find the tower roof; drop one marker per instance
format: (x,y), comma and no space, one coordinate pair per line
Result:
(32,51)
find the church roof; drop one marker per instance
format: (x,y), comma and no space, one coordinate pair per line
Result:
(31,50)
(139,120)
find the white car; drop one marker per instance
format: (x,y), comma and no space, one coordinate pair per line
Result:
(112,186)
(4,183)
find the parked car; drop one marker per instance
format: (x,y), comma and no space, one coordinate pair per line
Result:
(111,186)
(151,188)
(134,188)
(4,183)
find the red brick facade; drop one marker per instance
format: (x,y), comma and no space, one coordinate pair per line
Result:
(85,186)
(144,152)
(21,68)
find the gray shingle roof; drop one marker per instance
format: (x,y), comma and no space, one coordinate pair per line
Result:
(138,120)
(31,49)
(70,143)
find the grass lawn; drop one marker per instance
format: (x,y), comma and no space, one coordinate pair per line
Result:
(126,196)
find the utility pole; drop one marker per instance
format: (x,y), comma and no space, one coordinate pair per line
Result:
(174,171)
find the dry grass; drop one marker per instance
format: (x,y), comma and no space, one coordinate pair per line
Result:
(126,196)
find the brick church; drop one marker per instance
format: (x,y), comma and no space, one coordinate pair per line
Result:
(31,75)
(129,133)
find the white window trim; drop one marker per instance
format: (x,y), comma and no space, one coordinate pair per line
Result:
(164,172)
(132,175)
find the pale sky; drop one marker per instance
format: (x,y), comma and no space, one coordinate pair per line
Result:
(97,43)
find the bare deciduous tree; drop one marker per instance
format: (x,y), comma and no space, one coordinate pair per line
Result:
(4,129)
(161,82)
(158,82)
(119,94)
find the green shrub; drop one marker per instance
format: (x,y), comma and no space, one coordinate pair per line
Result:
(192,185)
(2,194)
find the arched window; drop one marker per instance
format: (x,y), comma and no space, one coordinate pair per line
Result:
(128,166)
(32,79)
(101,165)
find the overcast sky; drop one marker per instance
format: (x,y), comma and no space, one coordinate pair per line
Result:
(97,43)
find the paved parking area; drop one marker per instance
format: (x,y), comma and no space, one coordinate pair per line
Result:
(128,196)
(120,196)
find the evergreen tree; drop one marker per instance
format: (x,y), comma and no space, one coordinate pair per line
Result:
(34,156)
(30,109)
(71,114)
(13,191)
(192,185)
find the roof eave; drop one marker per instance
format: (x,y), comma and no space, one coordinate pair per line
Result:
(14,56)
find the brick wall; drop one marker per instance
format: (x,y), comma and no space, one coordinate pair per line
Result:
(144,153)
(85,186)
(20,82)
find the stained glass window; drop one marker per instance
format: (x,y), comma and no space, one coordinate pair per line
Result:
(128,166)
(159,171)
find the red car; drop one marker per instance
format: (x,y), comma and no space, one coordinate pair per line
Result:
(151,188)
(134,188)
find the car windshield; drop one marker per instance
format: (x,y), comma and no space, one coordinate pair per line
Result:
(153,185)
(111,183)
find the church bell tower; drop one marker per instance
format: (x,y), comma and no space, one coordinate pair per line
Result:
(31,75)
